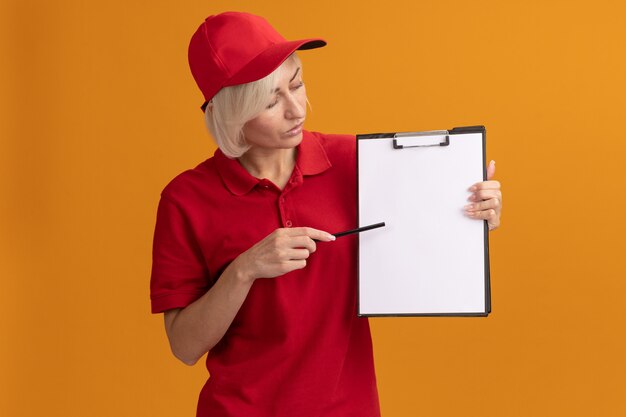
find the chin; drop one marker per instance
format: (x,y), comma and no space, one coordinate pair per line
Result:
(292,141)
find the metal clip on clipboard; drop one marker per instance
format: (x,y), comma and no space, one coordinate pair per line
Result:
(421,139)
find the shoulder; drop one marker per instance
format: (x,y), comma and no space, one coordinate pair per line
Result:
(336,145)
(192,183)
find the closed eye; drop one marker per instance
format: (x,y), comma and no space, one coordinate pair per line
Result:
(272,104)
(295,87)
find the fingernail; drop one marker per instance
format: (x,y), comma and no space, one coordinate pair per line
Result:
(332,237)
(472,188)
(468,207)
(492,162)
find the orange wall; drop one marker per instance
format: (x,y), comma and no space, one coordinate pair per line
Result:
(99,111)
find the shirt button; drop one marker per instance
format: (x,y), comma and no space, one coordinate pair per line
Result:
(288,223)
(282,199)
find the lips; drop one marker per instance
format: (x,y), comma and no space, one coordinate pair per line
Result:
(296,130)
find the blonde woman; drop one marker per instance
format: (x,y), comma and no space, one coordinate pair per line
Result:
(245,266)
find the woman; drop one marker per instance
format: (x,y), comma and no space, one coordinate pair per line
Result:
(245,267)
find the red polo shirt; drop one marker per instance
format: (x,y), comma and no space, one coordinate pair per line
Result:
(296,346)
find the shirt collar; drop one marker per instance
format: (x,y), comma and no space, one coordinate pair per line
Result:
(311,159)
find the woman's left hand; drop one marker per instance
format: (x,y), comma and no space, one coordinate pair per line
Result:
(486,200)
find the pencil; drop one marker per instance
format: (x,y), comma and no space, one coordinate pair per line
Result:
(360,229)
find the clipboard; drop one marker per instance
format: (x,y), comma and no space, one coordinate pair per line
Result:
(429,259)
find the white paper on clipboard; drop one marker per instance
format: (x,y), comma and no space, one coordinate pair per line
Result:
(430,259)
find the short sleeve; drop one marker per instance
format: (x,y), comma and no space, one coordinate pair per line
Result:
(179,273)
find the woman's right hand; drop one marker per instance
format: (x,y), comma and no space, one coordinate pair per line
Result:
(282,251)
(197,328)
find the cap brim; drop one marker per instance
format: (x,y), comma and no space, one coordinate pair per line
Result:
(270,59)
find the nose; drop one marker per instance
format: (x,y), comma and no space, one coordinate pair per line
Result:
(296,107)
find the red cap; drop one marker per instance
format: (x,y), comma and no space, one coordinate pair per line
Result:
(236,48)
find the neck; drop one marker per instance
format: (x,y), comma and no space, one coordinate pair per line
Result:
(276,165)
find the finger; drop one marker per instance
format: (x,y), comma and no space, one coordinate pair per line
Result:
(292,265)
(492,203)
(491,169)
(485,195)
(298,264)
(302,242)
(482,215)
(297,254)
(312,233)
(485,185)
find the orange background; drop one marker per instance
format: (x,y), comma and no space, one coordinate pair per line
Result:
(99,111)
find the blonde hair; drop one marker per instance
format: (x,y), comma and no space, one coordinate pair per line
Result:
(232,107)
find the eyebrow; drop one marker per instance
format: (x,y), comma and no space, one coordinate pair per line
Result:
(294,74)
(277,89)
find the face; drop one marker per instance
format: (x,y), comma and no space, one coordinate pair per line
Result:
(279,126)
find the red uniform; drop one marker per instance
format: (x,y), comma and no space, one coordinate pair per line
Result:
(296,347)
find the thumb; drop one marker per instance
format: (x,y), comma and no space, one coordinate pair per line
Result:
(491,169)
